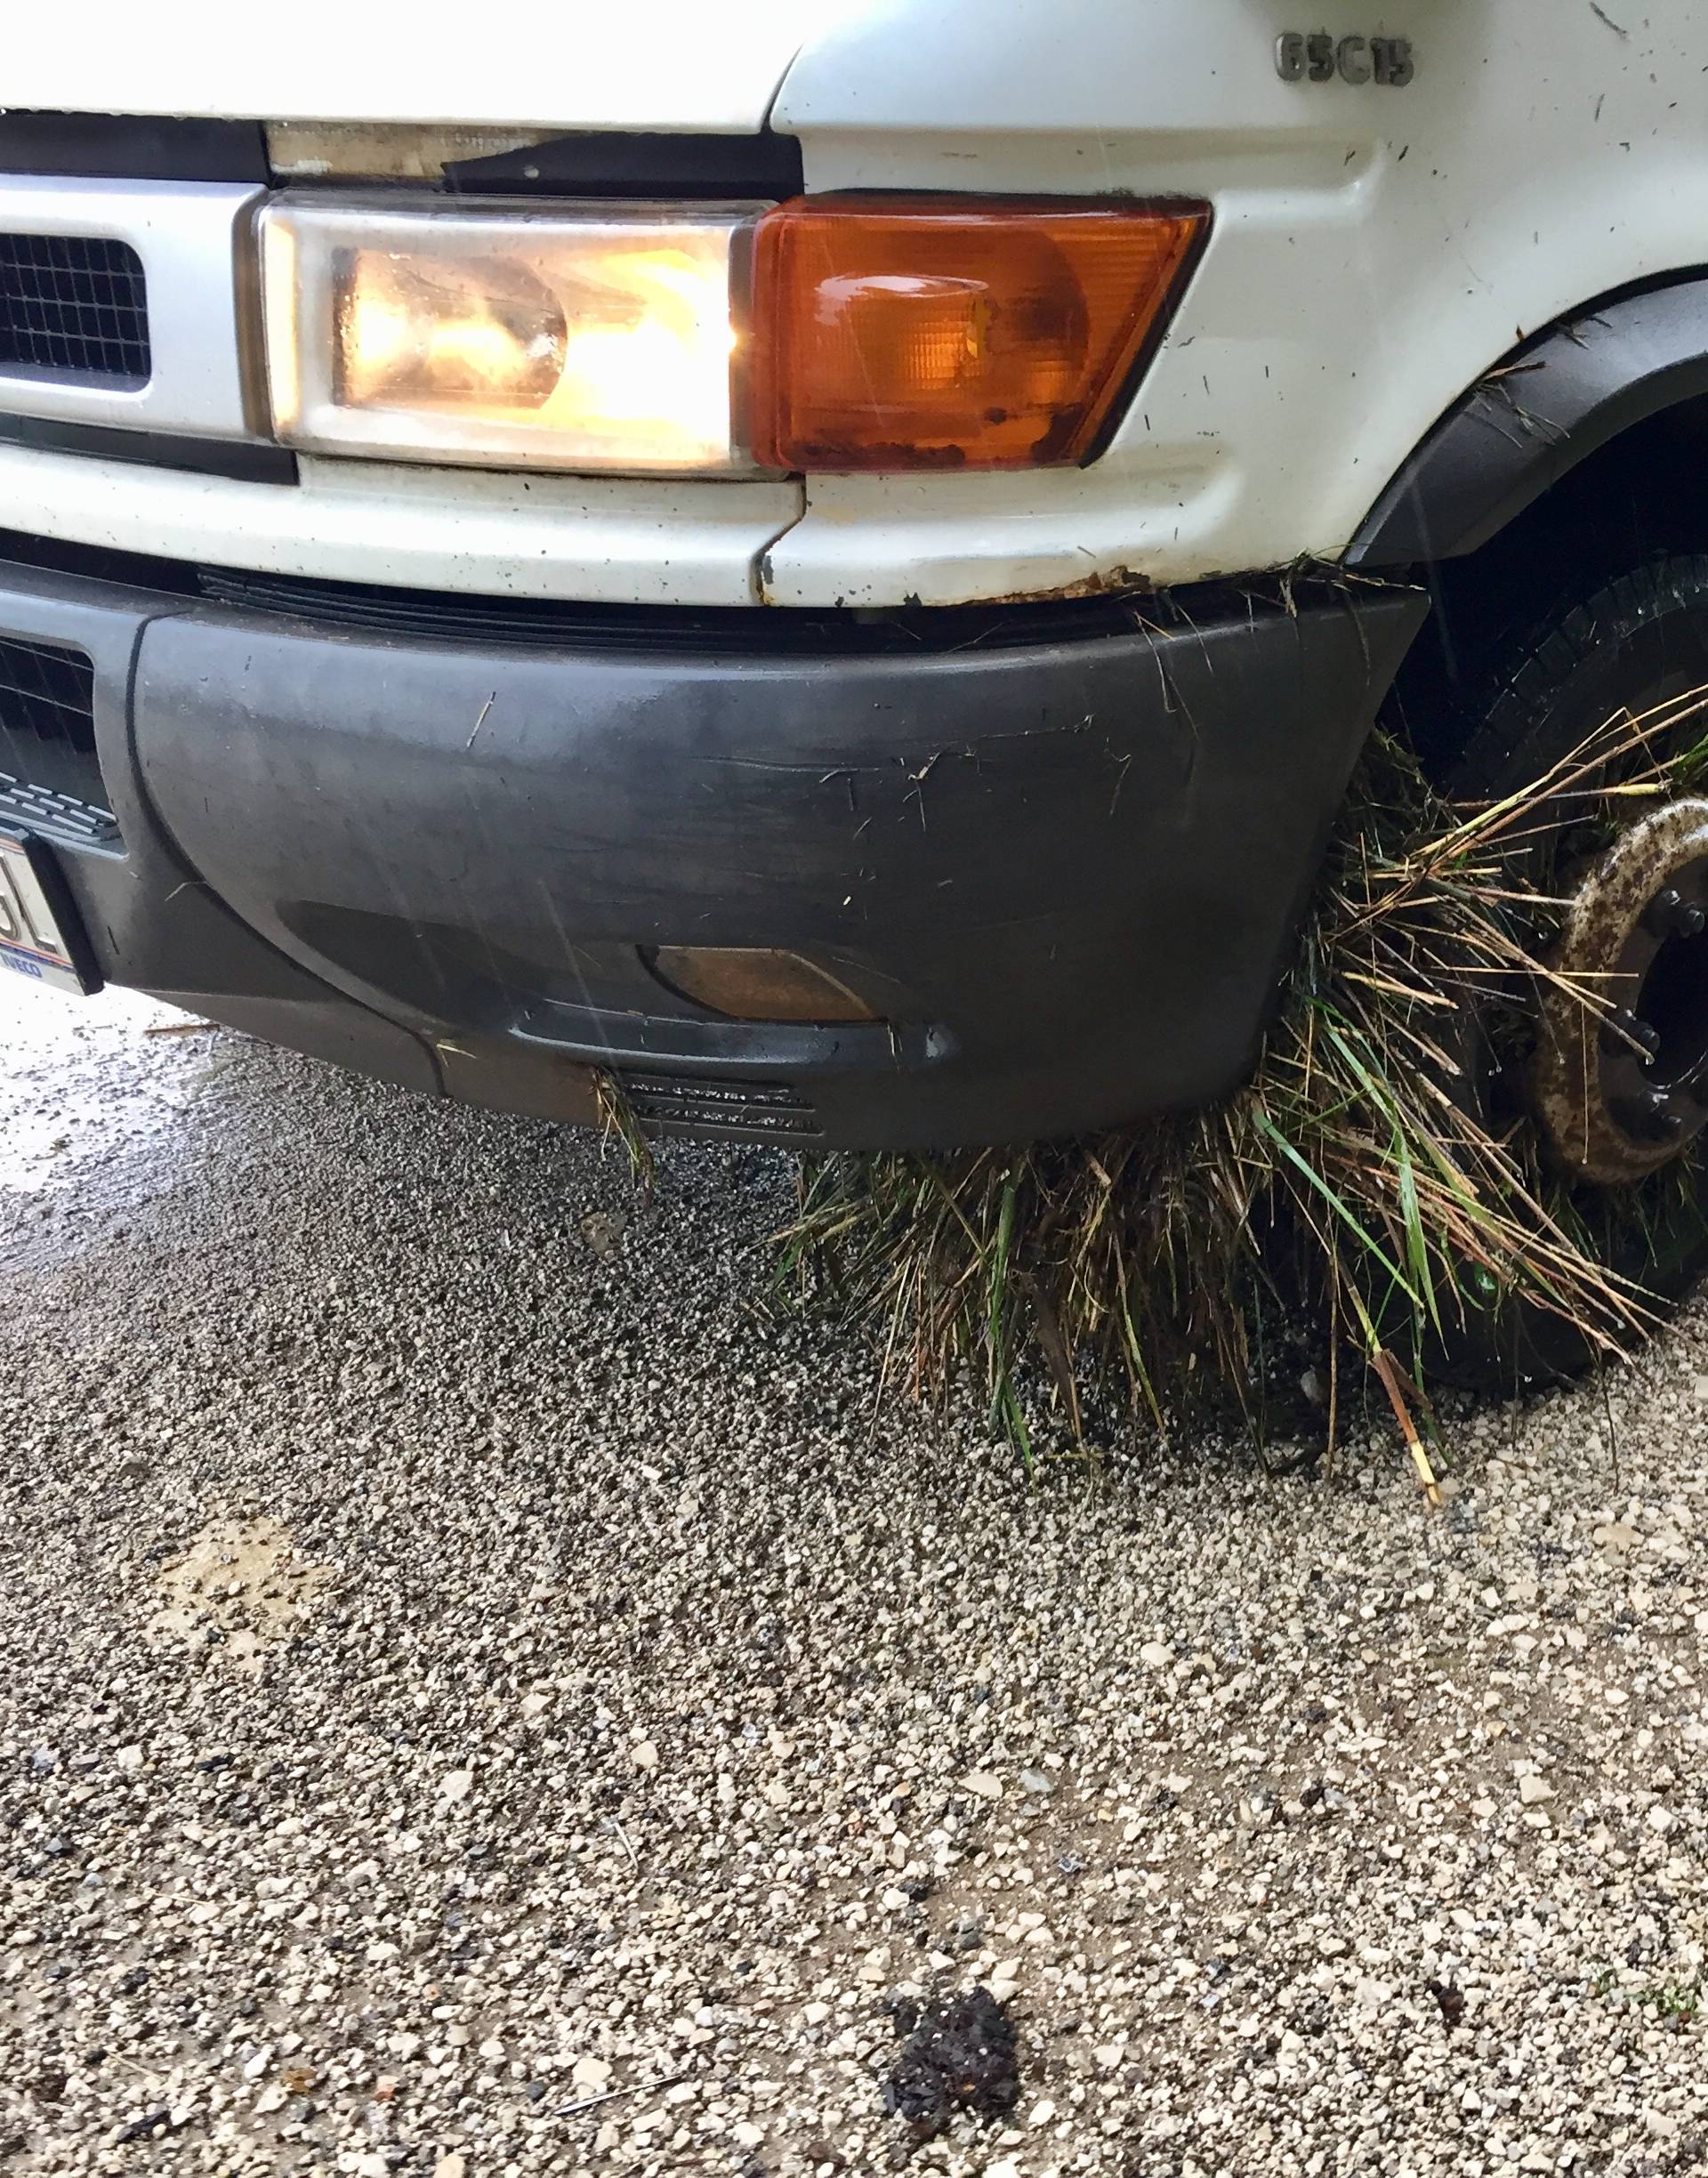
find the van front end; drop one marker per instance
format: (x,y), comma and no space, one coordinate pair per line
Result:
(793,566)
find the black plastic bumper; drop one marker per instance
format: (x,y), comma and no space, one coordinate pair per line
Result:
(1064,874)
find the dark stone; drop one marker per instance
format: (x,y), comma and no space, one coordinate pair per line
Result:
(142,2128)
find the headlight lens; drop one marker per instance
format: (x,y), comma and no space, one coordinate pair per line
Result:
(508,336)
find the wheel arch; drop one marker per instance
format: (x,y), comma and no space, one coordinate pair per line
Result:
(1554,401)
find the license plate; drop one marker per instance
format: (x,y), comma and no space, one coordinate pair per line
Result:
(39,936)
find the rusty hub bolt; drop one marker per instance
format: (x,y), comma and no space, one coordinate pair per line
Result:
(1620,1080)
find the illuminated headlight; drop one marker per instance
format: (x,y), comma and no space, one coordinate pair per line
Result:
(507,335)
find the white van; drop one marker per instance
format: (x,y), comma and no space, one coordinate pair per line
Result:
(831,561)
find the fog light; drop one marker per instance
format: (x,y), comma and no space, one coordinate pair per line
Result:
(755,983)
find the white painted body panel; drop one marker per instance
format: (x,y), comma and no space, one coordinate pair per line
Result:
(1376,250)
(607,540)
(530,63)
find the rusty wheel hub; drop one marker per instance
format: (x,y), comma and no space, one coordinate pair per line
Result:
(1619,1096)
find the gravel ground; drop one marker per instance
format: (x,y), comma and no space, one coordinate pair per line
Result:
(478,1700)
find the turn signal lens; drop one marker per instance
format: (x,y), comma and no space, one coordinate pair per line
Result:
(943,333)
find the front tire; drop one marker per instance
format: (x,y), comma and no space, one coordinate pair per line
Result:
(1637,1193)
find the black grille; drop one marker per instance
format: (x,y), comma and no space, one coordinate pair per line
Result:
(47,721)
(73,304)
(768,1111)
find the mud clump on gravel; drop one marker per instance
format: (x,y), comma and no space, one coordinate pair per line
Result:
(957,2056)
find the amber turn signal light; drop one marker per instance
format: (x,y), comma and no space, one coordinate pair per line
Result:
(944,333)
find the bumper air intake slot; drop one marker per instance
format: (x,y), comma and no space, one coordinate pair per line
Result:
(50,775)
(763,1111)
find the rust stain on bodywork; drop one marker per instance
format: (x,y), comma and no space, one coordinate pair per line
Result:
(1102,582)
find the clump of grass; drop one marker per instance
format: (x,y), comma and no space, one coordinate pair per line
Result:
(617,1122)
(1676,2003)
(1358,1197)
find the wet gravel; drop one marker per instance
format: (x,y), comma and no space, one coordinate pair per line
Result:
(476,1698)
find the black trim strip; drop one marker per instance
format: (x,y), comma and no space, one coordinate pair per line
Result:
(637,163)
(590,163)
(132,147)
(227,457)
(467,618)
